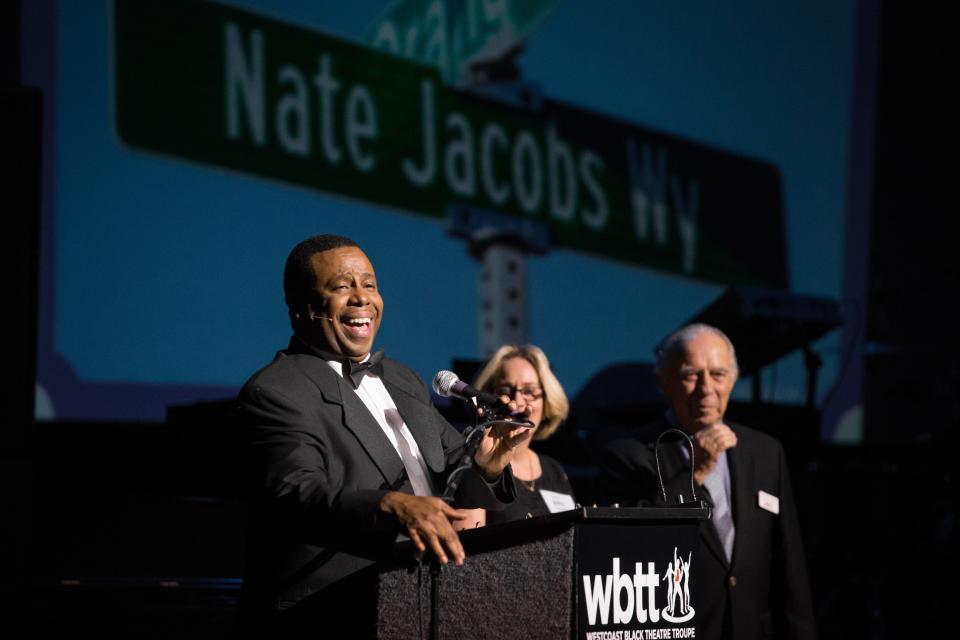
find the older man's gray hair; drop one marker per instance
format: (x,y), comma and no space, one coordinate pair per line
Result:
(671,346)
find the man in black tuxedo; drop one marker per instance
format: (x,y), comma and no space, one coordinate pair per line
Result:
(346,454)
(750,577)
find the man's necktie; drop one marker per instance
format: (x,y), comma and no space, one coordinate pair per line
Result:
(418,480)
(357,370)
(722,516)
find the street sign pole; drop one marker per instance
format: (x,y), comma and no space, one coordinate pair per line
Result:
(503,297)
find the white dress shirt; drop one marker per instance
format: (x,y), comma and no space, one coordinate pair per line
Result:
(378,401)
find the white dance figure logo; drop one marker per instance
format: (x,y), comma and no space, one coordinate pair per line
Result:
(677,576)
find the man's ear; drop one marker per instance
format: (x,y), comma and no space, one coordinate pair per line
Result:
(299,313)
(300,317)
(305,313)
(662,384)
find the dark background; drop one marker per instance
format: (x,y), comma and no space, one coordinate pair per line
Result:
(134,529)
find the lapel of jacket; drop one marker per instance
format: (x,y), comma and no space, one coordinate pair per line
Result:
(417,415)
(356,419)
(741,482)
(708,532)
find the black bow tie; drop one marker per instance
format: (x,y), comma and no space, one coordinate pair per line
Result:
(356,370)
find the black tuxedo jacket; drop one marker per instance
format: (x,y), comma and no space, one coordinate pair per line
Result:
(318,466)
(763,591)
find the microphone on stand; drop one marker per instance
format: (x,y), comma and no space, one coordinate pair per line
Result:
(446,384)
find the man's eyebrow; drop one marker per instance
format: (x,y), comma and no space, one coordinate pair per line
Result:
(346,275)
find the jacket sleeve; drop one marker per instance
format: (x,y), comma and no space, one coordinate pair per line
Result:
(291,476)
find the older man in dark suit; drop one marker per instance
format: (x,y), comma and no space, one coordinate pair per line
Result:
(750,578)
(346,453)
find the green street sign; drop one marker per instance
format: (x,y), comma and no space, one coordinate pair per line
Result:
(452,34)
(227,87)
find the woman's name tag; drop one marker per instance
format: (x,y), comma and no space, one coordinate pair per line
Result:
(557,502)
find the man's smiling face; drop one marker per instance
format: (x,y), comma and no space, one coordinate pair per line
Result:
(346,307)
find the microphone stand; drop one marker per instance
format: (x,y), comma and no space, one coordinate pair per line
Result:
(656,453)
(473,436)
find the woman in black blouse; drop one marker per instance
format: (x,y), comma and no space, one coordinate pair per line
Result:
(523,373)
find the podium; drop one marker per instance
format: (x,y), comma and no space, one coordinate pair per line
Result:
(590,573)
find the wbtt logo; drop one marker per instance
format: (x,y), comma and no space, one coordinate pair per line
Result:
(634,596)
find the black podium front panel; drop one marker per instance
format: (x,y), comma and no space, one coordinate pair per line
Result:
(634,582)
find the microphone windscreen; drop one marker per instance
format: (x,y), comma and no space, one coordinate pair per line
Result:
(443,382)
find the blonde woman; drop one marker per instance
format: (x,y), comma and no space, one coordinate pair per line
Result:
(523,373)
